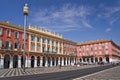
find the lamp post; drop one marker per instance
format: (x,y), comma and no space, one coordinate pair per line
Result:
(25,11)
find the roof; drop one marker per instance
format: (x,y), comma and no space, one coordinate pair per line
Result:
(93,42)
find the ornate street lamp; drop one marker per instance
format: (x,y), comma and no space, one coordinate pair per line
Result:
(25,11)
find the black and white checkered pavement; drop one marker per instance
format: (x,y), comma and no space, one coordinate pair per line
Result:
(30,71)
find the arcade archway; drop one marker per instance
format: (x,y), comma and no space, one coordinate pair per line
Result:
(107,59)
(6,61)
(32,61)
(96,59)
(38,61)
(44,61)
(15,61)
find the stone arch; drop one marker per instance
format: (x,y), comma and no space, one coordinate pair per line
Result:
(15,61)
(57,61)
(96,59)
(53,61)
(80,60)
(107,59)
(6,61)
(49,61)
(32,61)
(44,61)
(92,59)
(64,61)
(100,58)
(38,61)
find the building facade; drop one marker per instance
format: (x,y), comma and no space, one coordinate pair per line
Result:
(43,48)
(98,50)
(11,45)
(47,49)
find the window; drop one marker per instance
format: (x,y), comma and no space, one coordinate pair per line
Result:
(48,41)
(44,49)
(38,39)
(43,40)
(16,34)
(15,45)
(32,47)
(8,33)
(106,47)
(38,47)
(32,38)
(1,30)
(8,45)
(0,43)
(52,42)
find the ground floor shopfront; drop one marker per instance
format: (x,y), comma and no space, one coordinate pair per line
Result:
(101,58)
(15,60)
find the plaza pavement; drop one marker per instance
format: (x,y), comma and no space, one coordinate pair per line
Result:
(109,74)
(31,71)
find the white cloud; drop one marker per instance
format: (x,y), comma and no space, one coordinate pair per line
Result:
(108,29)
(67,18)
(110,14)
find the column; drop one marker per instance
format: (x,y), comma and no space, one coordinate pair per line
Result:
(41,45)
(51,62)
(55,62)
(69,61)
(46,62)
(26,60)
(2,62)
(58,52)
(66,61)
(29,62)
(35,43)
(59,62)
(35,62)
(74,60)
(89,60)
(62,61)
(41,61)
(19,61)
(11,62)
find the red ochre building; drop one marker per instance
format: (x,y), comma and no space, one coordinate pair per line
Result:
(43,48)
(98,51)
(46,49)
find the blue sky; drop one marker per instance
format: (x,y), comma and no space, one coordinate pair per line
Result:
(76,20)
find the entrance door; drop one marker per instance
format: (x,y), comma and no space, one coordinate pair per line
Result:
(15,61)
(6,61)
(32,61)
